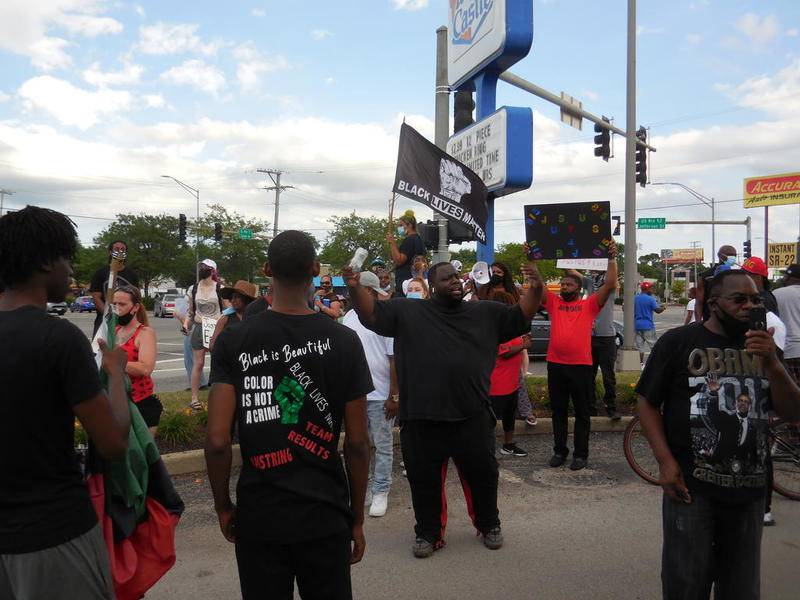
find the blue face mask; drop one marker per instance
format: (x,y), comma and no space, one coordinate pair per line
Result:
(730,261)
(401,231)
(229,311)
(415,295)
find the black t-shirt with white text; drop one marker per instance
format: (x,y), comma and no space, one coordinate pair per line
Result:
(715,400)
(293,375)
(445,355)
(46,368)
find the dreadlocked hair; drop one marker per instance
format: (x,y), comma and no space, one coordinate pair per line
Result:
(30,240)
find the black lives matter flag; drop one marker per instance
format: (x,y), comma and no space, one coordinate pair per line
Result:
(428,174)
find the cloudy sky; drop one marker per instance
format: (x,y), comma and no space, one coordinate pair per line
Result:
(99,98)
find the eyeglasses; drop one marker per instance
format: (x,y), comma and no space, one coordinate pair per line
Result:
(743,298)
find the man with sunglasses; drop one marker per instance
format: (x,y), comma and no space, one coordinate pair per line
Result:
(704,396)
(325,300)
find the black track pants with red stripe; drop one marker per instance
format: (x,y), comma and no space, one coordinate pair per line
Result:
(427,447)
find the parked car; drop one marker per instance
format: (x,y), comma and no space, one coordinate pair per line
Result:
(58,308)
(83,304)
(540,334)
(164,305)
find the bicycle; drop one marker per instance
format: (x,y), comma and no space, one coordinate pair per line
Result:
(784,444)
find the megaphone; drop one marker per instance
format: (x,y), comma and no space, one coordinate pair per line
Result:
(480,273)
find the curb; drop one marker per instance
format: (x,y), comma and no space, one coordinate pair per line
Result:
(193,461)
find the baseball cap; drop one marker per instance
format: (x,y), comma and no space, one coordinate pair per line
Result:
(793,271)
(368,279)
(209,263)
(756,266)
(646,285)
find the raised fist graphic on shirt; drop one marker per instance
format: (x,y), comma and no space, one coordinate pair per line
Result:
(290,396)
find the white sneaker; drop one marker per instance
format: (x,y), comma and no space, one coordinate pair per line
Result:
(769,520)
(379,504)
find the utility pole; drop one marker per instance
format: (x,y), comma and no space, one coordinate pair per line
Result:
(442,123)
(3,194)
(629,359)
(275,176)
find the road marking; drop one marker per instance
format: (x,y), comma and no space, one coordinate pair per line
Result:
(171,370)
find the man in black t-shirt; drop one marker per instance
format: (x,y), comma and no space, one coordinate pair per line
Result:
(99,283)
(289,376)
(51,545)
(715,383)
(445,351)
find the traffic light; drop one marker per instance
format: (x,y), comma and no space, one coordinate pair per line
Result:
(182,228)
(458,233)
(217,232)
(746,249)
(429,233)
(641,157)
(602,141)
(463,105)
(618,221)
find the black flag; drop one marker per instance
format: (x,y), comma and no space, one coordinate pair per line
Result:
(428,174)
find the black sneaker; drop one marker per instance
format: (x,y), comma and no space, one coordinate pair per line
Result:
(493,539)
(422,548)
(558,460)
(578,464)
(612,414)
(512,449)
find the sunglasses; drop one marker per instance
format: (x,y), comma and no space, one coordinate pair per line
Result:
(743,298)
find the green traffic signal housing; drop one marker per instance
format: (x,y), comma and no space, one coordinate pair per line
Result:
(641,157)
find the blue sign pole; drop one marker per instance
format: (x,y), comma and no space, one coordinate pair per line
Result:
(485,104)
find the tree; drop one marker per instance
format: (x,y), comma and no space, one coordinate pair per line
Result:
(236,258)
(467,256)
(87,260)
(677,288)
(152,241)
(352,232)
(513,256)
(651,266)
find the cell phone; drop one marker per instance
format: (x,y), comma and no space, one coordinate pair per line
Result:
(758,318)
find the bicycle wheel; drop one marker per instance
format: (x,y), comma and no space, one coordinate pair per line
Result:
(785,451)
(638,453)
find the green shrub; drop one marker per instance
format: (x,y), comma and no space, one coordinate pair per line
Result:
(683,301)
(619,300)
(177,427)
(202,418)
(80,437)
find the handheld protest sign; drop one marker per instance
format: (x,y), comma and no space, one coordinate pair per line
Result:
(208,325)
(572,230)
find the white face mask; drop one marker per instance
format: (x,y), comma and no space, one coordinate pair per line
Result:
(414,295)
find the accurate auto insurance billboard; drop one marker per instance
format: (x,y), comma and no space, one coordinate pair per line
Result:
(772,190)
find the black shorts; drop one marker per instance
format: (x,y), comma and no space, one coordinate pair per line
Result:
(150,408)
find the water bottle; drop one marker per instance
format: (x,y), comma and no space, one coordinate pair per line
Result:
(358,259)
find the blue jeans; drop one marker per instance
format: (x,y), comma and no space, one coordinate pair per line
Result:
(188,361)
(380,432)
(708,542)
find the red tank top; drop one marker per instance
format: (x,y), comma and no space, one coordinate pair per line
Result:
(141,385)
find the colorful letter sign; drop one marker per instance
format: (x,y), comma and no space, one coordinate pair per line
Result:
(487,34)
(574,230)
(772,190)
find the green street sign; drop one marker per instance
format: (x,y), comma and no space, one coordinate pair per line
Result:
(651,223)
(246,234)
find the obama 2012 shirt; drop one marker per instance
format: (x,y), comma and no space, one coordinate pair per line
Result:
(293,375)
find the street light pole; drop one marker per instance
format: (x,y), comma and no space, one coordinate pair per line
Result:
(196,193)
(3,194)
(707,201)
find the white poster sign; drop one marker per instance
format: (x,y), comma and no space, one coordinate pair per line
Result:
(582,264)
(208,330)
(482,147)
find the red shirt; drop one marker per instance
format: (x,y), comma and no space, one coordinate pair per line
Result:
(570,329)
(141,385)
(505,377)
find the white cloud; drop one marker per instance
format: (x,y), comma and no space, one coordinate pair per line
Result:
(643,30)
(777,95)
(140,10)
(154,100)
(71,105)
(4,97)
(252,64)
(128,75)
(258,12)
(89,25)
(591,96)
(410,4)
(197,74)
(759,30)
(330,80)
(321,34)
(793,32)
(694,38)
(164,38)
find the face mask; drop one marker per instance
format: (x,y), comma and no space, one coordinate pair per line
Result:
(730,261)
(569,297)
(204,272)
(496,279)
(125,319)
(415,295)
(733,327)
(401,231)
(229,311)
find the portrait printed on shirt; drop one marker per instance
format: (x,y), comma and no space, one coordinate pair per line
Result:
(728,417)
(281,389)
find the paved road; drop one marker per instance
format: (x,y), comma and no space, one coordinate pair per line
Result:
(170,375)
(594,533)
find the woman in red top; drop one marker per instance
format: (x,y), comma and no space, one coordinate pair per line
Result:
(139,342)
(505,381)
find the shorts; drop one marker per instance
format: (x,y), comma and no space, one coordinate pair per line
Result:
(78,568)
(196,339)
(645,339)
(150,408)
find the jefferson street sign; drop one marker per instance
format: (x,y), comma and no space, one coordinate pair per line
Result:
(651,223)
(246,234)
